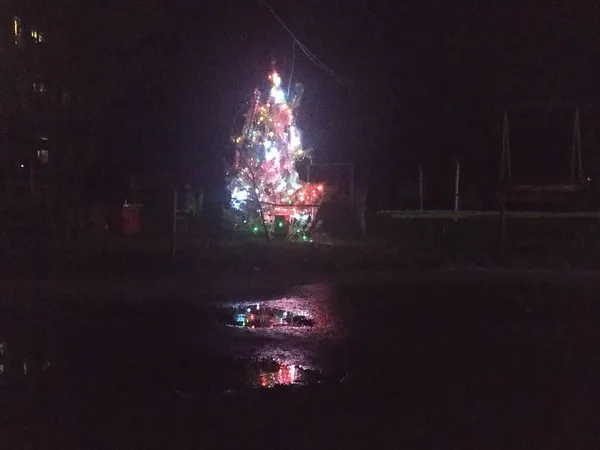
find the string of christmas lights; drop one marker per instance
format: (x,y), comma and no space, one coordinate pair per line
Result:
(266,185)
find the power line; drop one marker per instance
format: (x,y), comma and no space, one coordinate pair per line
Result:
(320,64)
(292,71)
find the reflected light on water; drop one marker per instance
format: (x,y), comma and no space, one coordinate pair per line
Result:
(263,316)
(2,351)
(284,374)
(304,308)
(290,335)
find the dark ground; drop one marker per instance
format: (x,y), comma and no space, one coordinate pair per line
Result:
(454,359)
(442,337)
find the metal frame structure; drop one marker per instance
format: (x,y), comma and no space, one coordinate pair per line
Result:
(576,184)
(576,165)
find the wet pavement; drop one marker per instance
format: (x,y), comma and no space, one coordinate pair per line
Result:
(458,364)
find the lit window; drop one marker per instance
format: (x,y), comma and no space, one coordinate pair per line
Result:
(42,156)
(17,29)
(37,36)
(39,87)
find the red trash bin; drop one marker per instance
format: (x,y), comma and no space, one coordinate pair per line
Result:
(131,219)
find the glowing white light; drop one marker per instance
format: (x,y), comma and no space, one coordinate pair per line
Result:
(281,186)
(271,154)
(294,181)
(277,95)
(276,79)
(238,197)
(294,137)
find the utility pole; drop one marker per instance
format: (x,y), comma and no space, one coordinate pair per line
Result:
(174,225)
(352,185)
(420,187)
(31,179)
(456,186)
(505,167)
(505,174)
(576,162)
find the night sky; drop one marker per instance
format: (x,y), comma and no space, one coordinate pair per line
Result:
(430,82)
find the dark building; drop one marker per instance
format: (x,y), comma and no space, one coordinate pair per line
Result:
(42,121)
(29,103)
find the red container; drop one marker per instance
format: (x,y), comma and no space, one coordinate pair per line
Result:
(131,219)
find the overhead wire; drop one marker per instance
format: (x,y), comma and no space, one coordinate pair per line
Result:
(310,55)
(292,71)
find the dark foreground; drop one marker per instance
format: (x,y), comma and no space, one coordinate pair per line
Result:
(452,362)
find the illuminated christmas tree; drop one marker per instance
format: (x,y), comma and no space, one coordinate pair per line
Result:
(265,186)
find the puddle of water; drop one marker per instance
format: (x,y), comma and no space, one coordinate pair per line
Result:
(164,348)
(284,374)
(307,310)
(272,373)
(291,332)
(2,351)
(268,371)
(290,340)
(260,315)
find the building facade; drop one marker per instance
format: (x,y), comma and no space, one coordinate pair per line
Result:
(39,127)
(25,115)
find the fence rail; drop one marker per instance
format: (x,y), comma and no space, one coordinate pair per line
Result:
(444,214)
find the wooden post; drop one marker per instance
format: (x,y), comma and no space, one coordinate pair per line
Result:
(576,162)
(456,186)
(505,164)
(312,210)
(31,179)
(503,214)
(505,175)
(352,185)
(174,225)
(420,187)
(8,168)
